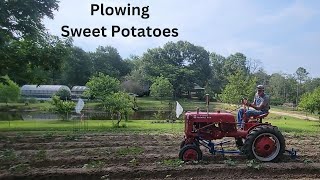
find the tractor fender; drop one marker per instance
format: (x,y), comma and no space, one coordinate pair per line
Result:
(261,124)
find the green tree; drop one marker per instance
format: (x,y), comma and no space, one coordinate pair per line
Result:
(183,63)
(77,69)
(235,63)
(311,84)
(28,54)
(108,61)
(64,94)
(24,18)
(161,88)
(282,88)
(311,101)
(101,86)
(262,77)
(137,81)
(107,89)
(131,86)
(217,80)
(9,90)
(119,104)
(278,88)
(302,75)
(240,85)
(28,61)
(63,108)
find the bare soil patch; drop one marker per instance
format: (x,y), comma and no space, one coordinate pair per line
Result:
(142,156)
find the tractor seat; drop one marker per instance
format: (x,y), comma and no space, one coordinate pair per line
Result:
(260,117)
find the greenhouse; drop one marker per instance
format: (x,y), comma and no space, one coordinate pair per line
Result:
(77,91)
(41,92)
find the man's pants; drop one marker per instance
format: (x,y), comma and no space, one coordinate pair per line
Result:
(248,114)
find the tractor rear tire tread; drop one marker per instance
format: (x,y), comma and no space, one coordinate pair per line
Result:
(247,147)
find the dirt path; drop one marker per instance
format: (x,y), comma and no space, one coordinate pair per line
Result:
(299,116)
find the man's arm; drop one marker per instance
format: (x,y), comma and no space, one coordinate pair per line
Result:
(262,105)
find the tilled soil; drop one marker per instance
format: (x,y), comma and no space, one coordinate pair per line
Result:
(142,156)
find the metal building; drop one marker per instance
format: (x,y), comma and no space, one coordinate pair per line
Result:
(77,91)
(41,92)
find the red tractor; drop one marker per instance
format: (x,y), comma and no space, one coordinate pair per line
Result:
(256,140)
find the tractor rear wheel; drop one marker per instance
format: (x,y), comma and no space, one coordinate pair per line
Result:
(182,144)
(190,153)
(265,143)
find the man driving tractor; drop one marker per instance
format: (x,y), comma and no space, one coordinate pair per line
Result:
(260,104)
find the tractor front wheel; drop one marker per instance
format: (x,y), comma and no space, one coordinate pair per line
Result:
(265,143)
(183,143)
(190,153)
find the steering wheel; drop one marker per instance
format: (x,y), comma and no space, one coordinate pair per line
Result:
(244,102)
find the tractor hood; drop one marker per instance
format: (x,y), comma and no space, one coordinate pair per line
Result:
(210,117)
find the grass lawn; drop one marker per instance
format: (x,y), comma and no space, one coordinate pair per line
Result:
(92,125)
(294,125)
(286,124)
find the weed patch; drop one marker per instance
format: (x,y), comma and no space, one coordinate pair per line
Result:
(172,162)
(8,155)
(20,168)
(129,151)
(254,164)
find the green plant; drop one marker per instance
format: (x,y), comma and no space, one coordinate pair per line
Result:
(72,137)
(308,161)
(161,88)
(3,138)
(230,162)
(63,108)
(172,162)
(41,155)
(93,164)
(8,155)
(116,125)
(254,164)
(134,162)
(64,94)
(119,105)
(9,90)
(105,177)
(18,136)
(159,115)
(47,136)
(129,151)
(311,101)
(19,168)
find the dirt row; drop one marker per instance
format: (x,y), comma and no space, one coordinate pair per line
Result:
(141,156)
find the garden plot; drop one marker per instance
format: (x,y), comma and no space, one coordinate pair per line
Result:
(140,156)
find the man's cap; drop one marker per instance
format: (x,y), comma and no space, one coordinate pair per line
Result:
(260,87)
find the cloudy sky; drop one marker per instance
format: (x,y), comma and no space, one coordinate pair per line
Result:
(283,35)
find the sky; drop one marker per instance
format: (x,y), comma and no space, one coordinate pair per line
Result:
(282,35)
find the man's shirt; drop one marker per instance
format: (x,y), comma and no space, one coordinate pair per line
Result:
(262,100)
